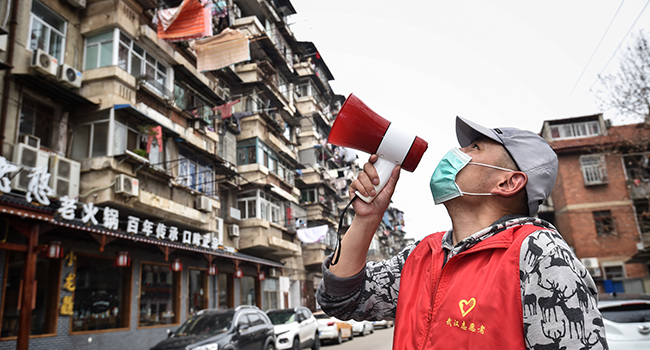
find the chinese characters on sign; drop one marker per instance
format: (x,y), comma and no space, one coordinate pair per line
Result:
(111,221)
(38,187)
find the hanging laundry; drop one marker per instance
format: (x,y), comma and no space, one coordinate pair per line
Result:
(186,23)
(237,116)
(157,133)
(226,48)
(221,12)
(226,109)
(312,234)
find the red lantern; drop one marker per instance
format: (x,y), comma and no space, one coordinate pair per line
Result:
(212,270)
(261,276)
(239,273)
(177,265)
(54,250)
(123,259)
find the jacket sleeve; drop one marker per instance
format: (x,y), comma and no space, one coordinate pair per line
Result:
(559,297)
(369,295)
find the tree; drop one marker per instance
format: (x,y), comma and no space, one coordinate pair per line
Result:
(627,90)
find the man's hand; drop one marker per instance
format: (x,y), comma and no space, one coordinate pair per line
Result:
(356,242)
(365,185)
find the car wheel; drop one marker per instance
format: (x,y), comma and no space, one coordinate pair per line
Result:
(372,329)
(296,344)
(270,346)
(339,339)
(363,331)
(352,335)
(316,345)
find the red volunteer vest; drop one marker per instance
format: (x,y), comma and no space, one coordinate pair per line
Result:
(473,302)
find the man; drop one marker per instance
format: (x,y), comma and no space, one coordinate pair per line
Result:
(499,279)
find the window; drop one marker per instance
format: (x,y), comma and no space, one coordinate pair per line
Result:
(91,137)
(130,57)
(99,51)
(604,223)
(187,100)
(47,31)
(308,195)
(40,120)
(248,151)
(269,207)
(574,130)
(594,169)
(283,86)
(198,291)
(248,291)
(270,295)
(102,295)
(614,272)
(159,295)
(195,172)
(44,314)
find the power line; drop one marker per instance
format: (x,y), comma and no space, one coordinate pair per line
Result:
(595,50)
(617,48)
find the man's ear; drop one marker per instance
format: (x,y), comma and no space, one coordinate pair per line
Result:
(511,184)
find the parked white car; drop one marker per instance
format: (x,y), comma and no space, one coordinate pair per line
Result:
(332,328)
(295,328)
(362,328)
(627,321)
(383,323)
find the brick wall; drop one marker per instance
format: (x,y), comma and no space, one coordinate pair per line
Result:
(574,206)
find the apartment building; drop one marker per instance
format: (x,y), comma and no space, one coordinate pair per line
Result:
(600,199)
(158,158)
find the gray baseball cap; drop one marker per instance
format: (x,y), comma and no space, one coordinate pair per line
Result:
(530,151)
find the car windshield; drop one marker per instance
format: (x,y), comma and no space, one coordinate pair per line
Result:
(629,313)
(321,316)
(206,324)
(282,317)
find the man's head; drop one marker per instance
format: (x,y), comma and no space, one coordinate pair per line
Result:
(527,151)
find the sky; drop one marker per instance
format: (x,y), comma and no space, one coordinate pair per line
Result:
(498,63)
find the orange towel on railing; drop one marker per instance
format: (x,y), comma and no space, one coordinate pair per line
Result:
(187,23)
(226,48)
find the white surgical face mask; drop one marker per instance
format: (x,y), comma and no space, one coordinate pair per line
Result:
(443,180)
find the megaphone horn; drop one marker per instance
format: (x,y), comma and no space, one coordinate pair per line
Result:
(359,127)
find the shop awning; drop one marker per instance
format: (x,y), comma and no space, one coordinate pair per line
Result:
(641,257)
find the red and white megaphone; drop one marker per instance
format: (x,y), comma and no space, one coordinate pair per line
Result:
(359,127)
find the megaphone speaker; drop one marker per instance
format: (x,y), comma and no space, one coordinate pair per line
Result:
(359,127)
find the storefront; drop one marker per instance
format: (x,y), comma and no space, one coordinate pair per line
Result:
(70,281)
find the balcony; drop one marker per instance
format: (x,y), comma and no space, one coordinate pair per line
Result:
(263,238)
(109,86)
(308,105)
(110,14)
(304,69)
(639,190)
(250,26)
(314,254)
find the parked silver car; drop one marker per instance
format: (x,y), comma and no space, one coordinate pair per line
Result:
(627,320)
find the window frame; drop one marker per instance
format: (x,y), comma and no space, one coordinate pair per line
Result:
(33,17)
(589,171)
(208,185)
(128,294)
(54,313)
(600,218)
(177,276)
(575,131)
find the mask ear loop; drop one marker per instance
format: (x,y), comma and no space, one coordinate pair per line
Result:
(337,252)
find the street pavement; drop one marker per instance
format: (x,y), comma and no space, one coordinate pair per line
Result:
(382,339)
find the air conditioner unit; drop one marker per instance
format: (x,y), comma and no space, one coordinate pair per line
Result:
(204,203)
(127,185)
(233,231)
(44,63)
(30,140)
(80,4)
(69,76)
(273,272)
(592,266)
(27,157)
(64,179)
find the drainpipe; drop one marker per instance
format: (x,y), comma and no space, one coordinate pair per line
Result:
(11,43)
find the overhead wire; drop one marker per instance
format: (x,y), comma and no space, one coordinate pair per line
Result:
(617,48)
(595,50)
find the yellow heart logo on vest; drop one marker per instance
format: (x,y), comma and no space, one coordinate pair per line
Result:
(466,306)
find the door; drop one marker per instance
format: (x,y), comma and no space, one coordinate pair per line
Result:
(244,334)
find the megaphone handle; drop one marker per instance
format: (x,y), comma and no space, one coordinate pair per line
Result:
(384,169)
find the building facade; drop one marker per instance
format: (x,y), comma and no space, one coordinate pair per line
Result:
(600,199)
(150,170)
